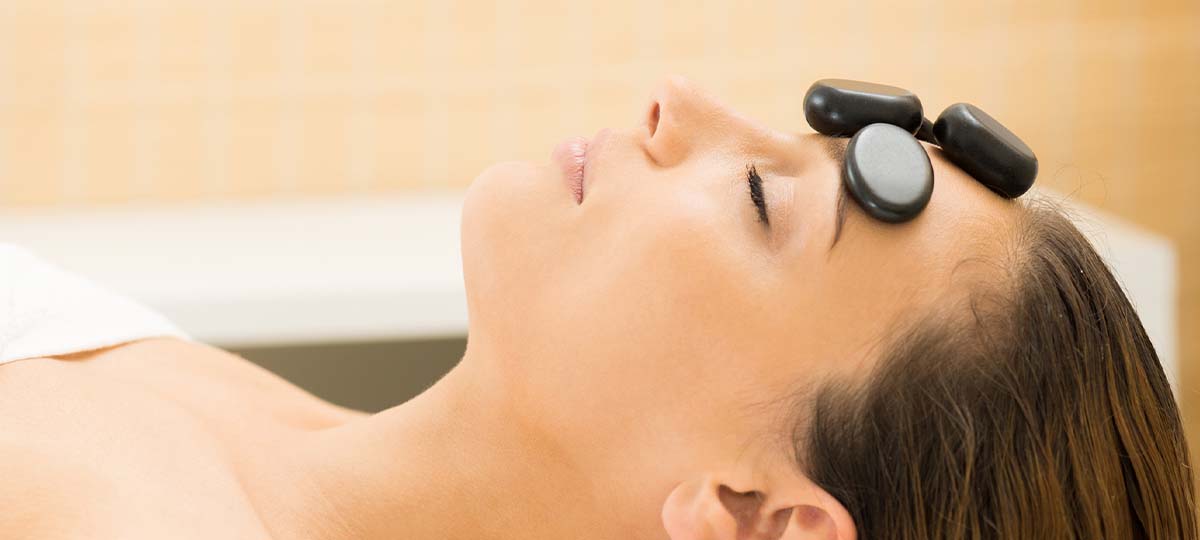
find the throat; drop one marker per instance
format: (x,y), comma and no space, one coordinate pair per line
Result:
(455,462)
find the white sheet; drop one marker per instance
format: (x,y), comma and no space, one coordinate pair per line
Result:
(46,311)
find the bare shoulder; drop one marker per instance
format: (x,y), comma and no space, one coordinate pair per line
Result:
(100,445)
(50,458)
(53,492)
(43,489)
(46,474)
(181,371)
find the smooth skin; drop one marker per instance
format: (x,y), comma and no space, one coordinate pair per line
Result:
(635,366)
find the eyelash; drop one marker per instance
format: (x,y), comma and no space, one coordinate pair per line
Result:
(756,194)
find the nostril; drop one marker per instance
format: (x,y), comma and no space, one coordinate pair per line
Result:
(652,122)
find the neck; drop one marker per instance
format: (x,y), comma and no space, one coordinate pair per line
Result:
(458,461)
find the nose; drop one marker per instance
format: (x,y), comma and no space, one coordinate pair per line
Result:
(682,119)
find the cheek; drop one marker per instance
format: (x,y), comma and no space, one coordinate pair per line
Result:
(681,247)
(667,286)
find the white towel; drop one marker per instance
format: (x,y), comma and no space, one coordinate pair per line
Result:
(45,311)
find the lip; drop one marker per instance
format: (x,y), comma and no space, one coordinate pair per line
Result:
(571,158)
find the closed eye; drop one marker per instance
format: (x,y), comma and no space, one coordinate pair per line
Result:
(756,194)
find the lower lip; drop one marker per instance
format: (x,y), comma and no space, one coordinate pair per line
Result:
(571,157)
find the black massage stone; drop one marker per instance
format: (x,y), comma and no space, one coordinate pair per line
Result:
(888,172)
(986,150)
(840,107)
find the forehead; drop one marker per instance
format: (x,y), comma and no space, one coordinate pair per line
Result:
(957,197)
(882,274)
(964,219)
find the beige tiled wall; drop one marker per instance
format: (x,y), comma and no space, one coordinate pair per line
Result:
(146,100)
(163,101)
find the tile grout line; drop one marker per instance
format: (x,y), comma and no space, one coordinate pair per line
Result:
(7,125)
(438,29)
(147,128)
(72,174)
(362,127)
(503,113)
(289,125)
(217,125)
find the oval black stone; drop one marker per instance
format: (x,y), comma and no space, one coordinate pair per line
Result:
(840,107)
(888,172)
(986,150)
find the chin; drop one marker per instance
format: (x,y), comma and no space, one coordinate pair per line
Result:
(494,202)
(495,225)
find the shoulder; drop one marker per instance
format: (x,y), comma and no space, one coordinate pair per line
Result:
(72,440)
(46,474)
(88,451)
(45,492)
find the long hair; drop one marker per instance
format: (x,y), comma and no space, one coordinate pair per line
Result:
(1042,413)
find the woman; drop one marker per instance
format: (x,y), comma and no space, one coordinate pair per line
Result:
(656,352)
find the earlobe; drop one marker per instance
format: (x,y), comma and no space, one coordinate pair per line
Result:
(820,517)
(707,509)
(817,523)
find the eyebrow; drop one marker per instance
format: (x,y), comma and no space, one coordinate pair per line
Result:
(835,148)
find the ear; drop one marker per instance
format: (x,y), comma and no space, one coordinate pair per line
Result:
(706,508)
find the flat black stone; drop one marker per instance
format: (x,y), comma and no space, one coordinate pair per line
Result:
(840,107)
(888,172)
(986,150)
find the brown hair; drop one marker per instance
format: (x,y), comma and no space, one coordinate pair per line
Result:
(1043,413)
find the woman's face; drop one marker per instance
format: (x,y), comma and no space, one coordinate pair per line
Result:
(660,307)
